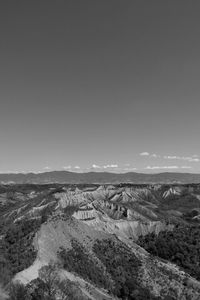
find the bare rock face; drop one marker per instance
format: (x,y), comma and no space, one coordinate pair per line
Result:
(86,213)
(173,191)
(133,229)
(70,198)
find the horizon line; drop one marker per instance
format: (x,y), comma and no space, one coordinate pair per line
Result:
(97,172)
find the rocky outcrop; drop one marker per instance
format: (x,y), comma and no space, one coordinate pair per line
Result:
(172,191)
(85,213)
(133,229)
(70,198)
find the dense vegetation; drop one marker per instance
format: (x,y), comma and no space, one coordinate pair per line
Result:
(180,246)
(48,286)
(17,251)
(117,271)
(78,261)
(182,203)
(123,266)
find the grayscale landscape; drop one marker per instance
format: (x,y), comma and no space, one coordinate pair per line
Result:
(99,150)
(93,241)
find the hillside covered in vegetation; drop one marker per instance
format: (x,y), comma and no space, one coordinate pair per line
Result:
(180,246)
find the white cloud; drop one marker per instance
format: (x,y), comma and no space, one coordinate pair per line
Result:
(155,155)
(129,169)
(96,166)
(186,167)
(152,168)
(195,160)
(186,158)
(110,166)
(170,167)
(161,167)
(47,168)
(171,157)
(144,154)
(113,167)
(67,167)
(76,167)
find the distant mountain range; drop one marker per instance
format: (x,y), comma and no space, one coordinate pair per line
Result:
(98,177)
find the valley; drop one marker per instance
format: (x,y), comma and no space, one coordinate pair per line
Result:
(100,240)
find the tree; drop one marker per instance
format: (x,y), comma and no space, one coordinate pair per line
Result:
(17,291)
(52,285)
(49,276)
(69,290)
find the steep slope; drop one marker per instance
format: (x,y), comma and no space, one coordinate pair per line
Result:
(56,234)
(161,278)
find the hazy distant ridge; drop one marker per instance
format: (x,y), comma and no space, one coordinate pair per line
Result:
(100,177)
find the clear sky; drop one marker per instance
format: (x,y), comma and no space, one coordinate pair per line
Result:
(98,83)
